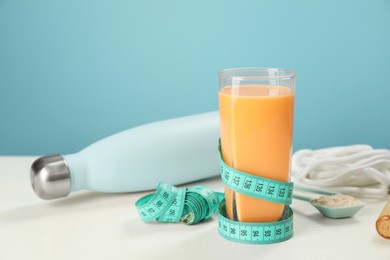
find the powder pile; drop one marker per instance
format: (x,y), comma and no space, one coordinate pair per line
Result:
(338,200)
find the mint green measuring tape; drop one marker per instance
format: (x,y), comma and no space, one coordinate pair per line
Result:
(261,188)
(172,204)
(198,203)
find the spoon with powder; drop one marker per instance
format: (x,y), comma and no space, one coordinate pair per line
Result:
(332,205)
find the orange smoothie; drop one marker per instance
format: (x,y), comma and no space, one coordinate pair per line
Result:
(256,137)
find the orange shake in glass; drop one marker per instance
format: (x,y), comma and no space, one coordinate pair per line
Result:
(256,118)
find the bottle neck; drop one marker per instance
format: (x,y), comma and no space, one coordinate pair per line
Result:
(78,171)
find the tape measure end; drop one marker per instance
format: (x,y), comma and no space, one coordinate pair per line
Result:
(188,219)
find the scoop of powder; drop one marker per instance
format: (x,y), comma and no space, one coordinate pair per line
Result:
(338,200)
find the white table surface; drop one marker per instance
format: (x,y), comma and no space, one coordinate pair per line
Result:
(89,225)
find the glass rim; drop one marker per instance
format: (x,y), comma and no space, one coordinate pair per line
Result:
(230,73)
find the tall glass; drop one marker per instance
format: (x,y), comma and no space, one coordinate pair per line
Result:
(256,107)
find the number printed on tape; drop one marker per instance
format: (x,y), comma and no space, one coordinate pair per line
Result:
(254,233)
(256,186)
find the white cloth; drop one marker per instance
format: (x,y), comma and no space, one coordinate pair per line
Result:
(359,170)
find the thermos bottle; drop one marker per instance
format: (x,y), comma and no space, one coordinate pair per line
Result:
(175,151)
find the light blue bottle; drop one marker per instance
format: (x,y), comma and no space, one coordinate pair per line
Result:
(175,151)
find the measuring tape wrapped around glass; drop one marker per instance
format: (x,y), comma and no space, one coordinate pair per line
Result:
(198,203)
(261,188)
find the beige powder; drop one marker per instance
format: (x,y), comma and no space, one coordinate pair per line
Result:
(338,200)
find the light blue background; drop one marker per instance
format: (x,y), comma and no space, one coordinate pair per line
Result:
(74,71)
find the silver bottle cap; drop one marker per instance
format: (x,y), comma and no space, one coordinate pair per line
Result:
(50,177)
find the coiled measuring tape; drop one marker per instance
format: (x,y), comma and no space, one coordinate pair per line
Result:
(172,204)
(193,205)
(261,188)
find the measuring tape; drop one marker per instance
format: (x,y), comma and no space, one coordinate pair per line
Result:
(261,188)
(198,203)
(172,204)
(255,232)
